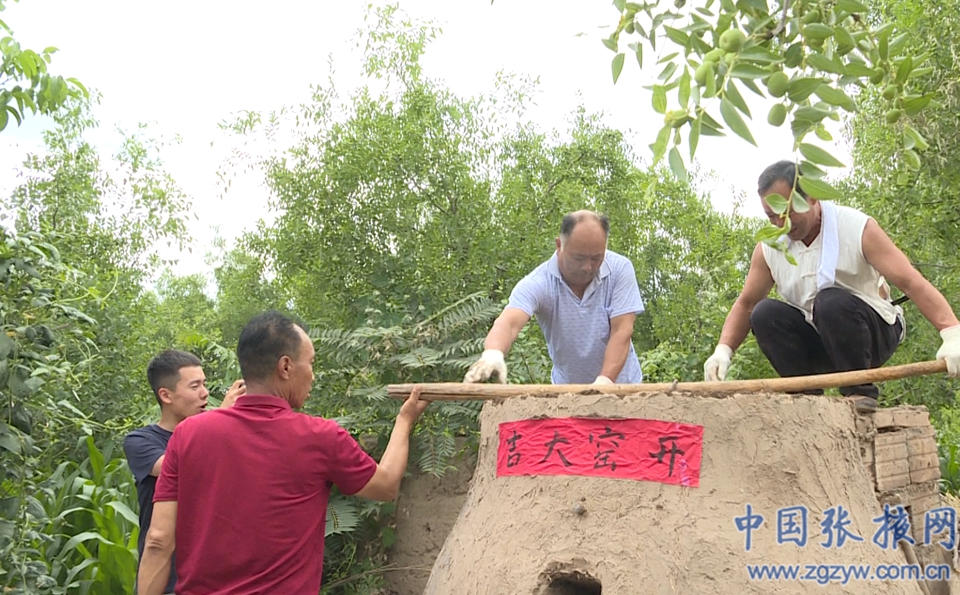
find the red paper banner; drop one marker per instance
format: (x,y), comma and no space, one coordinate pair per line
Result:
(640,449)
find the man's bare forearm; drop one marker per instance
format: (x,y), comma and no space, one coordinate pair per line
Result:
(736,326)
(394,459)
(154,571)
(503,333)
(616,355)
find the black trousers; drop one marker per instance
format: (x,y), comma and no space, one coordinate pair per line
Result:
(849,335)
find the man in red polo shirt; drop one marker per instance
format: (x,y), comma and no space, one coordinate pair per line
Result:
(243,491)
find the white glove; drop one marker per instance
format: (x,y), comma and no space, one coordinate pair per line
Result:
(490,363)
(601,379)
(715,368)
(950,350)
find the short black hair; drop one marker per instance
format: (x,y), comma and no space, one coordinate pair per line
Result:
(163,371)
(570,220)
(781,171)
(263,341)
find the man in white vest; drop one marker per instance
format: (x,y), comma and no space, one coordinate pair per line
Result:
(585,298)
(836,315)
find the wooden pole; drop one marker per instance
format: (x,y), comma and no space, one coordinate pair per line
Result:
(456,391)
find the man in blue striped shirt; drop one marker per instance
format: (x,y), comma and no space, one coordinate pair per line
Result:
(585,298)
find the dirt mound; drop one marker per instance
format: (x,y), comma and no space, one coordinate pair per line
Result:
(427,509)
(574,535)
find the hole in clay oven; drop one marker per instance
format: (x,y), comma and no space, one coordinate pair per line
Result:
(572,583)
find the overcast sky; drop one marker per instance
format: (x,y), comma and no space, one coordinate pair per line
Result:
(184,66)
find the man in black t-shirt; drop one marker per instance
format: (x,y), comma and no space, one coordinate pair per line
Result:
(179,386)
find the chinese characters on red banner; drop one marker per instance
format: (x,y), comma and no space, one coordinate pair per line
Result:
(641,449)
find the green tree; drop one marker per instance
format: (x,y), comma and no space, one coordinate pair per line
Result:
(812,56)
(916,207)
(110,227)
(76,334)
(26,83)
(243,288)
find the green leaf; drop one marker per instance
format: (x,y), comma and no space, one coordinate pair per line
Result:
(903,71)
(620,4)
(845,41)
(659,99)
(819,189)
(710,126)
(777,202)
(73,408)
(801,88)
(617,67)
(683,93)
(78,85)
(676,165)
(835,97)
(810,114)
(915,137)
(6,345)
(825,64)
(694,136)
(760,5)
(8,439)
(342,516)
(800,128)
(659,146)
(388,537)
(7,529)
(667,72)
(732,117)
(883,44)
(734,96)
(768,233)
(908,141)
(819,156)
(611,43)
(897,44)
(752,85)
(748,71)
(676,36)
(124,511)
(21,388)
(79,538)
(799,204)
(710,89)
(857,69)
(913,106)
(760,54)
(651,192)
(698,24)
(794,54)
(852,6)
(96,458)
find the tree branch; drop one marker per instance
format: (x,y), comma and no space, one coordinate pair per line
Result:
(781,25)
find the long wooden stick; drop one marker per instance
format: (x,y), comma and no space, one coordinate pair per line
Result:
(456,391)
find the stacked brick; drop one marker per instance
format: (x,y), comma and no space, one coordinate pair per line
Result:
(899,448)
